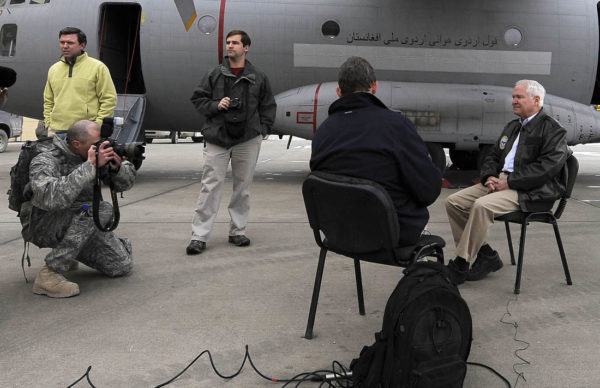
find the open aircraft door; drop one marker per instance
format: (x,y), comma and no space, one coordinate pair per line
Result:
(119,49)
(131,108)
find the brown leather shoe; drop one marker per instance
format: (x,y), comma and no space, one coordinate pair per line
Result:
(53,284)
(240,241)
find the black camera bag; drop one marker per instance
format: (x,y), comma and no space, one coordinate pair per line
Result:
(236,117)
(426,336)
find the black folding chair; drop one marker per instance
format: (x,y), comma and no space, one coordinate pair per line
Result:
(357,218)
(547,217)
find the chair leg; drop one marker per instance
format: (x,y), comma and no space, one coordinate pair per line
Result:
(315,296)
(520,260)
(510,244)
(359,289)
(562,253)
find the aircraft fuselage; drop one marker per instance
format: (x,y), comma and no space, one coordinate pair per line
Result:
(465,43)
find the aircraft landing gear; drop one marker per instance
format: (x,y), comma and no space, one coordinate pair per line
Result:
(464,160)
(483,153)
(438,157)
(470,160)
(174,137)
(3,140)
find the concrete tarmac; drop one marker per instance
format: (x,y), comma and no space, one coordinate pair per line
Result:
(141,330)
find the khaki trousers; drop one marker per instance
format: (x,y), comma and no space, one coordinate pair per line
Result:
(471,212)
(243,159)
(50,132)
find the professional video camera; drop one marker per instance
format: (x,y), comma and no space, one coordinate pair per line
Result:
(134,151)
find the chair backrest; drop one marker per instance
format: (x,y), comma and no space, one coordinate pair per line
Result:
(356,216)
(572,169)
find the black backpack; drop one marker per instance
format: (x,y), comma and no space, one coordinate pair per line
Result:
(426,335)
(19,173)
(19,194)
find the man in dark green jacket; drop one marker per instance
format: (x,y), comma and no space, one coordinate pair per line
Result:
(238,106)
(524,170)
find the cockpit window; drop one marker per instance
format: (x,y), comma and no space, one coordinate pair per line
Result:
(2,3)
(39,1)
(17,1)
(8,40)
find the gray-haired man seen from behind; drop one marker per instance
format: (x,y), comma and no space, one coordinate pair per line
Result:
(362,138)
(522,172)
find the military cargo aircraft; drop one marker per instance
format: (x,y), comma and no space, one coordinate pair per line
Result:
(448,65)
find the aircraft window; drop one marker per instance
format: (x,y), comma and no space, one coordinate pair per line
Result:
(207,24)
(39,1)
(513,37)
(2,3)
(330,29)
(17,1)
(8,40)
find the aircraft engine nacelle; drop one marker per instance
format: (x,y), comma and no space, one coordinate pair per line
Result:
(458,116)
(463,118)
(582,122)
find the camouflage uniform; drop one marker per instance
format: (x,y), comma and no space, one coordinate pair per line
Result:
(61,183)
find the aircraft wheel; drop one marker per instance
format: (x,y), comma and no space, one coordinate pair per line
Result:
(483,152)
(174,138)
(3,140)
(197,139)
(137,164)
(464,160)
(437,155)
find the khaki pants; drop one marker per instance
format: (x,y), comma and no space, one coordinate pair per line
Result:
(471,212)
(216,159)
(41,131)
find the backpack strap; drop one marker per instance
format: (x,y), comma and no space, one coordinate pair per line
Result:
(25,251)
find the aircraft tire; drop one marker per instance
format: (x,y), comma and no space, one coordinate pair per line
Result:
(437,155)
(464,160)
(3,140)
(483,152)
(137,164)
(197,139)
(174,138)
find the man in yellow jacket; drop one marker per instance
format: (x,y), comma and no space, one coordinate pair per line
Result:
(78,87)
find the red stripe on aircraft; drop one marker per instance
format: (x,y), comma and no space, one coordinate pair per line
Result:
(315,108)
(221,25)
